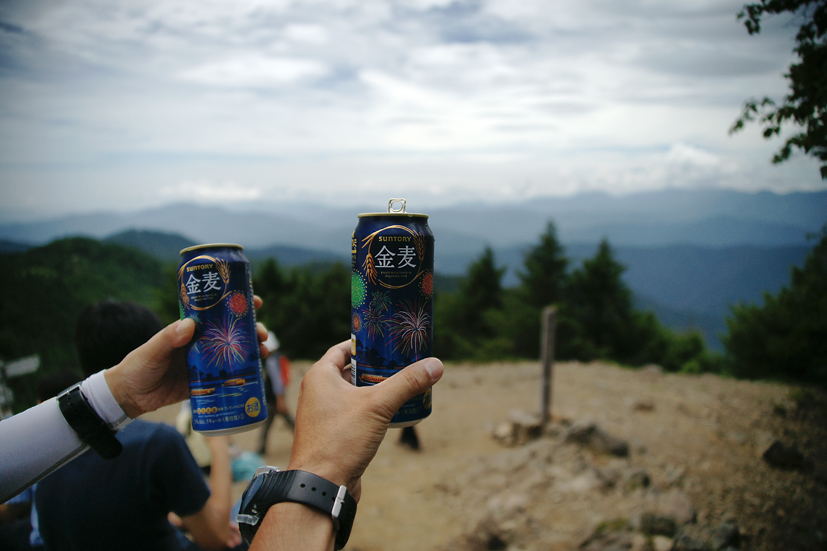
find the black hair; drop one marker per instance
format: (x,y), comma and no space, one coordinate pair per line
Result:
(52,384)
(107,331)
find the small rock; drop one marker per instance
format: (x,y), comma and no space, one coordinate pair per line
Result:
(523,427)
(589,434)
(638,478)
(656,525)
(685,543)
(662,543)
(652,371)
(738,437)
(675,475)
(608,540)
(639,543)
(785,457)
(677,505)
(643,405)
(527,426)
(583,483)
(726,535)
(504,433)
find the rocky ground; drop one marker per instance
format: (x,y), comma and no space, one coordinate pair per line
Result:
(633,459)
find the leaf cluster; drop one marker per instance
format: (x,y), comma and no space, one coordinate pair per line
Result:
(806,104)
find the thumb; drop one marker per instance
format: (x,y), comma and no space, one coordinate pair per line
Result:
(183,332)
(411,381)
(175,335)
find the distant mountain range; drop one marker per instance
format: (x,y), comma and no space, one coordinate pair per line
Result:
(689,254)
(710,218)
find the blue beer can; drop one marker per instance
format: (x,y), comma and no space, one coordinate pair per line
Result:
(215,289)
(392,300)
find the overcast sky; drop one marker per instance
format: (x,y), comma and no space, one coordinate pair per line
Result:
(126,105)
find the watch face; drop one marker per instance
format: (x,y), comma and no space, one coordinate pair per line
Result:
(250,493)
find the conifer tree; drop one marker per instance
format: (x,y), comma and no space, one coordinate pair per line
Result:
(545,270)
(541,284)
(481,291)
(597,314)
(786,338)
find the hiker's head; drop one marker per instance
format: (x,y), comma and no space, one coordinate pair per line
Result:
(107,331)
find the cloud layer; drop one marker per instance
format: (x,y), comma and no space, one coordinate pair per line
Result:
(135,104)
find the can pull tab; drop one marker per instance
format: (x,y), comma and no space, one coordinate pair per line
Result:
(400,205)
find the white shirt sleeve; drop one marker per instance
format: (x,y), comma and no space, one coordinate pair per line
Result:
(36,442)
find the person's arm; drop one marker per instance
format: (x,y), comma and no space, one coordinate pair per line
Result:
(339,428)
(38,441)
(210,527)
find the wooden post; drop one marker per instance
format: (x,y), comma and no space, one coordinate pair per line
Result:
(547,359)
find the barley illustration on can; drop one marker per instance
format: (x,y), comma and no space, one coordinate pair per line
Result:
(392,300)
(223,362)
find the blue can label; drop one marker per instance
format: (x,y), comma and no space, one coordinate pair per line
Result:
(392,303)
(224,365)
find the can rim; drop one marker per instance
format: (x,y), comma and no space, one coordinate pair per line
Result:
(408,214)
(211,246)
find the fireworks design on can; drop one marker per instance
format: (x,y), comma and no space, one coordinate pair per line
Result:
(392,299)
(223,363)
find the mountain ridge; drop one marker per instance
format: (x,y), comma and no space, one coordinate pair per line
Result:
(705,217)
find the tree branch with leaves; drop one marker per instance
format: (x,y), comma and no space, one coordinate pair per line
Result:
(806,104)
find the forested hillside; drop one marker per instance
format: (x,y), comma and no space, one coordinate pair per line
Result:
(476,317)
(47,287)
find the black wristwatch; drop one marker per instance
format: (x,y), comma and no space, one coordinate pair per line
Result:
(270,486)
(88,425)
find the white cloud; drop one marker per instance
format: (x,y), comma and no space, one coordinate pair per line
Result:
(310,34)
(202,191)
(682,154)
(255,71)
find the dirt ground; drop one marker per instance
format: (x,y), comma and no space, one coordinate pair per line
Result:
(698,436)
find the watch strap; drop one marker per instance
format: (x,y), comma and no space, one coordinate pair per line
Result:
(308,489)
(88,425)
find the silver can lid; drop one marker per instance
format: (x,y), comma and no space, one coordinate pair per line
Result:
(212,246)
(396,207)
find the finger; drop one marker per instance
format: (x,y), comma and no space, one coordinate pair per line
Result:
(340,356)
(337,356)
(175,335)
(261,334)
(411,381)
(257,302)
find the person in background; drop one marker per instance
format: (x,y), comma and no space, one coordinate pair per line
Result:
(196,442)
(276,375)
(19,529)
(243,463)
(409,438)
(125,503)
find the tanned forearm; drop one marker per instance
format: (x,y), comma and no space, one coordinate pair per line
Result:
(294,527)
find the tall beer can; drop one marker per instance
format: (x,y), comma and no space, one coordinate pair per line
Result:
(392,300)
(226,389)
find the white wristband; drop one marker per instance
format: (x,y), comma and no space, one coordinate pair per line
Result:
(100,397)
